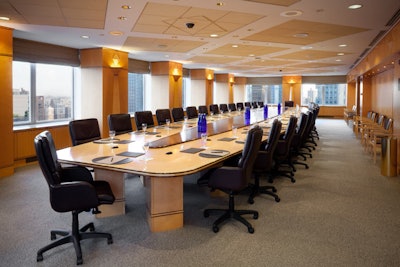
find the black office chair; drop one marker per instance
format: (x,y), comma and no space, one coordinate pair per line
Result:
(191,112)
(233,180)
(73,190)
(260,104)
(214,109)
(247,104)
(84,131)
(289,103)
(223,108)
(282,153)
(178,114)
(232,107)
(298,141)
(162,115)
(203,109)
(264,164)
(120,123)
(143,117)
(240,106)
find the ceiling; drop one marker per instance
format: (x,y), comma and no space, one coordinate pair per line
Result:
(256,38)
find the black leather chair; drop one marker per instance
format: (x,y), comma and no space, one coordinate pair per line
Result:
(298,141)
(264,164)
(203,109)
(260,104)
(178,114)
(247,104)
(143,117)
(240,106)
(162,115)
(72,189)
(282,152)
(120,123)
(232,107)
(84,131)
(233,180)
(191,112)
(214,109)
(223,108)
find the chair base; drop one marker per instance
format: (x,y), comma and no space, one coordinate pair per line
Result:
(75,236)
(232,213)
(256,190)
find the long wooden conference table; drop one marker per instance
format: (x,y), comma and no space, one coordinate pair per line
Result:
(175,151)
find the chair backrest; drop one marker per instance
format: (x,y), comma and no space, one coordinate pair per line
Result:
(203,109)
(254,105)
(264,161)
(47,157)
(178,114)
(120,123)
(250,151)
(273,136)
(143,117)
(289,103)
(260,104)
(247,104)
(283,149)
(232,106)
(214,108)
(240,105)
(163,115)
(191,112)
(298,138)
(223,107)
(84,131)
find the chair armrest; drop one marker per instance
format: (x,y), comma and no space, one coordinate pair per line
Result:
(76,173)
(71,196)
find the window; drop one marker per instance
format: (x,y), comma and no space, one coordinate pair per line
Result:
(269,94)
(324,94)
(136,85)
(185,92)
(42,92)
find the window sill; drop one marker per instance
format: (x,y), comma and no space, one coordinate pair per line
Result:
(39,126)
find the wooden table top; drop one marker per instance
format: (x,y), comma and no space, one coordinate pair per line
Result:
(169,159)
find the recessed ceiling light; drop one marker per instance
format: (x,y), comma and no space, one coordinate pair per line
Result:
(301,35)
(291,13)
(213,35)
(342,45)
(340,54)
(122,18)
(116,33)
(306,47)
(220,3)
(126,7)
(338,60)
(251,55)
(85,36)
(4,18)
(234,46)
(355,6)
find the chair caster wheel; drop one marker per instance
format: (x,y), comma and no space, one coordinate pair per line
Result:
(251,230)
(53,236)
(274,190)
(206,214)
(109,241)
(255,216)
(293,180)
(277,199)
(39,258)
(79,261)
(307,167)
(215,229)
(250,201)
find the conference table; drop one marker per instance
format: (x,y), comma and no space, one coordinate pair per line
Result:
(175,151)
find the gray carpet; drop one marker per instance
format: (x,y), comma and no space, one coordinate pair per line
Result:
(340,212)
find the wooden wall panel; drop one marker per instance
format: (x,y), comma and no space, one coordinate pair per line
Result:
(382,92)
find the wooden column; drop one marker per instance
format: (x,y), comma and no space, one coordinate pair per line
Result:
(6,103)
(104,84)
(174,72)
(291,89)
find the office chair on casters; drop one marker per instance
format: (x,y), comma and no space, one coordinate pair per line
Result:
(143,117)
(73,190)
(223,107)
(178,114)
(264,164)
(203,109)
(120,123)
(232,180)
(214,109)
(162,115)
(191,112)
(84,131)
(232,107)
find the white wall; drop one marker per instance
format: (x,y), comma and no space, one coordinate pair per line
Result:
(197,93)
(221,93)
(239,93)
(157,93)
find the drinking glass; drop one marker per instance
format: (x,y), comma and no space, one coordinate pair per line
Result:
(185,119)
(167,122)
(112,135)
(146,146)
(144,127)
(234,131)
(203,140)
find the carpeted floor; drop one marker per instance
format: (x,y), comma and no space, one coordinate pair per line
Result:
(340,212)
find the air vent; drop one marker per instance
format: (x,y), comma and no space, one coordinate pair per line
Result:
(394,19)
(364,53)
(377,38)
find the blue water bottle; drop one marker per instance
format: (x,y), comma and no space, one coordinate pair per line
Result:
(200,123)
(265,112)
(279,108)
(247,113)
(204,123)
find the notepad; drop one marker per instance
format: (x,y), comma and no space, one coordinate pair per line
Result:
(192,150)
(215,153)
(112,160)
